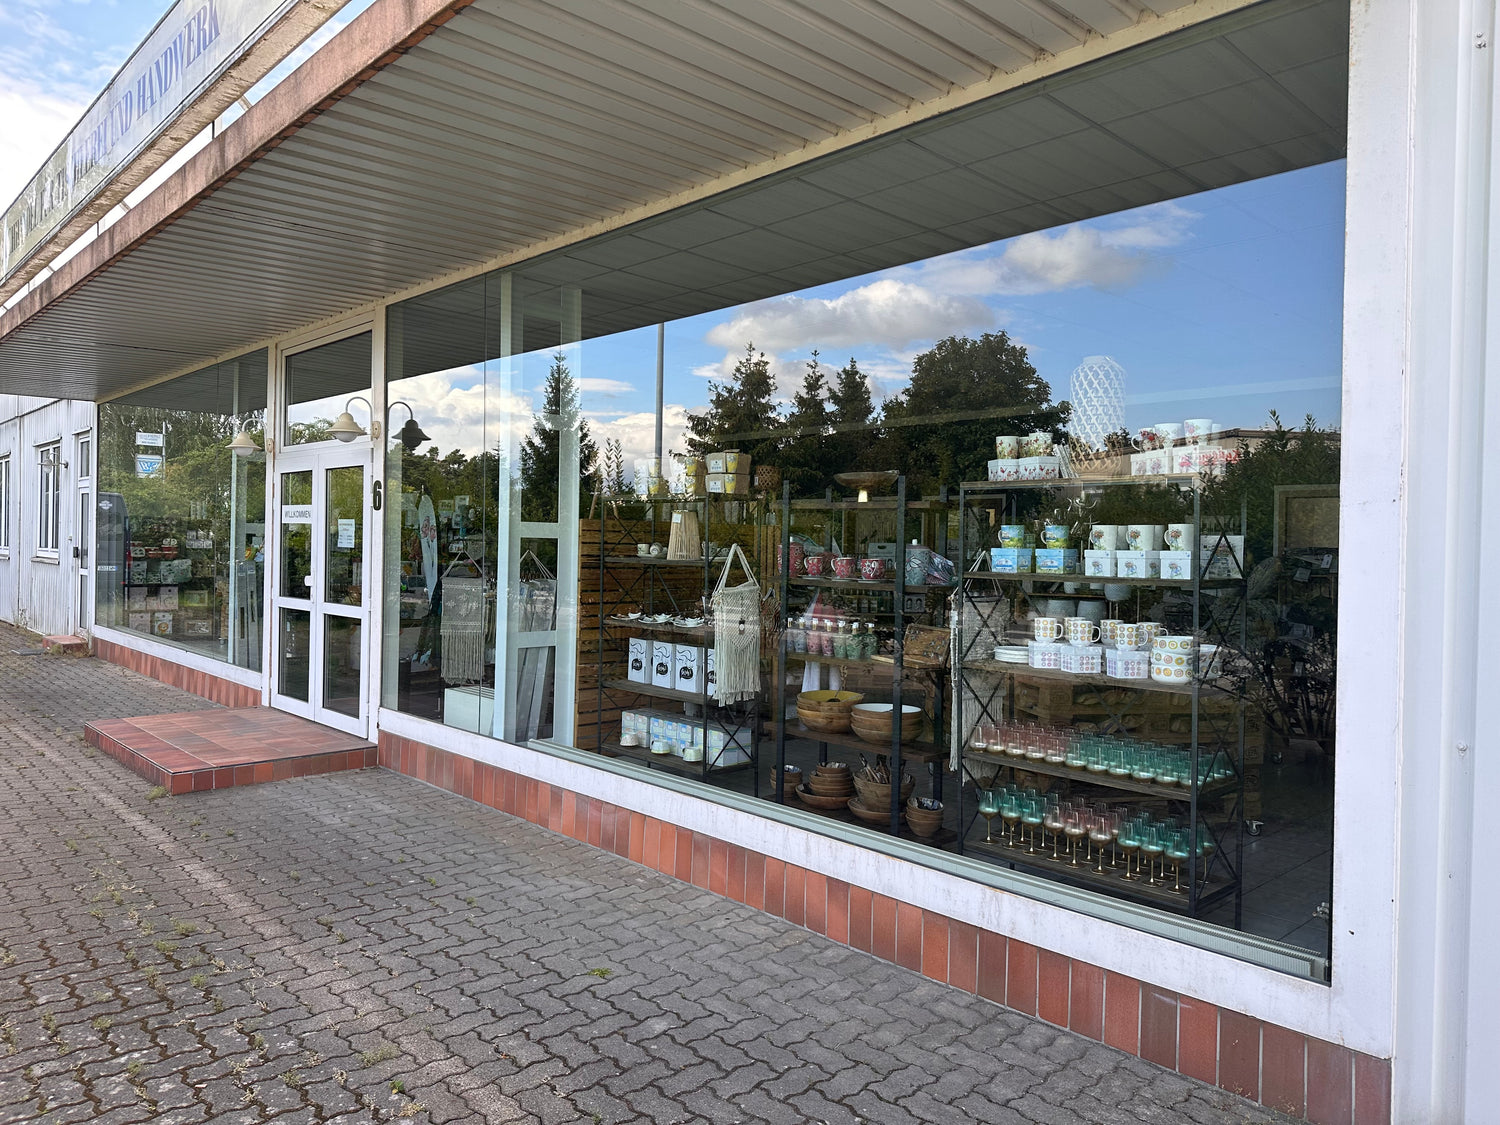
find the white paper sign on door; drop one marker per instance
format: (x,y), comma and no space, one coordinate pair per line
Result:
(346,533)
(296,513)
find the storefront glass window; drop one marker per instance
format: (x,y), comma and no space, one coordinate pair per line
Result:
(1022,546)
(324,382)
(179,519)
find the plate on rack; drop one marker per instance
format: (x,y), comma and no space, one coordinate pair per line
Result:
(1011,654)
(687,622)
(656,618)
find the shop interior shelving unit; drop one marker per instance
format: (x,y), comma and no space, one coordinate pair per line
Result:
(678,588)
(892,604)
(1205,716)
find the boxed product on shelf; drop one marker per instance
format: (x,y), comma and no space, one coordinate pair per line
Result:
(710,669)
(176,570)
(1177,564)
(1138,564)
(161,624)
(1005,469)
(1040,468)
(1099,564)
(137,570)
(729,484)
(663,659)
(1056,560)
(1045,654)
(1223,555)
(197,627)
(166,597)
(729,461)
(1082,658)
(639,668)
(725,747)
(881,550)
(695,476)
(1127,663)
(137,598)
(139,622)
(687,664)
(1010,560)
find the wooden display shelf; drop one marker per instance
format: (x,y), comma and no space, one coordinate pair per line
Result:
(1107,780)
(637,560)
(664,693)
(943,839)
(1096,580)
(670,762)
(919,751)
(1111,882)
(1093,679)
(885,584)
(701,632)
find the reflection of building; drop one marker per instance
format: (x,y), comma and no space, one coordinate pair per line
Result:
(566,198)
(46,491)
(1098,398)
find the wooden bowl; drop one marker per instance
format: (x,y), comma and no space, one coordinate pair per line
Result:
(829,702)
(832,769)
(878,795)
(872,722)
(873,816)
(924,822)
(867,480)
(824,722)
(812,800)
(829,787)
(793,779)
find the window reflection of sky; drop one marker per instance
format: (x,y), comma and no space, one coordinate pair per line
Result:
(1225,304)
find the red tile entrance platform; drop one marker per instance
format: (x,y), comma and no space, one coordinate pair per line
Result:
(196,750)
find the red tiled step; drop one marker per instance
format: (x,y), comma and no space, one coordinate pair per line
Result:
(195,751)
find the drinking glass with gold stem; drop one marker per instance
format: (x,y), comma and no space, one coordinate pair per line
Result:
(989,808)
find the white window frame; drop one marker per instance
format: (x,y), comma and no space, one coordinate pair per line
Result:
(4,505)
(49,498)
(83,451)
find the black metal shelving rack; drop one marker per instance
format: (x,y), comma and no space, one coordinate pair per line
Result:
(1218,732)
(654,595)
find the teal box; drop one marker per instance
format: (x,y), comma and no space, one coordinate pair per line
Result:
(1057,560)
(1010,560)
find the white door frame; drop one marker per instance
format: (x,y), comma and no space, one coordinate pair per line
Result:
(317,460)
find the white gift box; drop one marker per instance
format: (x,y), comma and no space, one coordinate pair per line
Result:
(1176,565)
(688,666)
(1223,555)
(710,670)
(1099,564)
(1082,658)
(1127,663)
(1010,560)
(1005,469)
(663,663)
(1138,564)
(1056,560)
(639,668)
(1045,654)
(1040,468)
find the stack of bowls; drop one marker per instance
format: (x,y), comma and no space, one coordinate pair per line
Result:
(924,822)
(872,722)
(828,786)
(826,712)
(877,794)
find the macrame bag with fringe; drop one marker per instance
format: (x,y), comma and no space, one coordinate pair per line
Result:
(736,614)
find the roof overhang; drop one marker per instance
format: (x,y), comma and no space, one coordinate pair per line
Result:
(727,152)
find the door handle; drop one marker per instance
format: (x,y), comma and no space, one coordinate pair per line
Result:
(307,581)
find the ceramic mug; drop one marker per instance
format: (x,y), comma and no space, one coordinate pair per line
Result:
(657,550)
(1055,535)
(1038,443)
(1106,537)
(1080,631)
(629,738)
(1179,536)
(1047,629)
(1007,447)
(1143,536)
(692,753)
(1109,630)
(1196,429)
(813,564)
(1169,432)
(1012,535)
(643,550)
(1130,636)
(1153,629)
(872,569)
(844,566)
(795,553)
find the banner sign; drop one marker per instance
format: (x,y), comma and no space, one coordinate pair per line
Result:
(149,464)
(157,440)
(185,53)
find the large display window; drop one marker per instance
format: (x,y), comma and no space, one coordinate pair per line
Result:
(1024,552)
(180,518)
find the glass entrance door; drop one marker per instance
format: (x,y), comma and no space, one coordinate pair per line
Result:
(322,574)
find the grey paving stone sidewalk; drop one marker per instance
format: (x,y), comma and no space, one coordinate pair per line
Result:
(360,947)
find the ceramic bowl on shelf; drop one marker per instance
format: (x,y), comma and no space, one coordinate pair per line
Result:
(924,815)
(813,800)
(871,815)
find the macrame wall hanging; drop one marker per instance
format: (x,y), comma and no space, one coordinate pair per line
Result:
(736,612)
(463,623)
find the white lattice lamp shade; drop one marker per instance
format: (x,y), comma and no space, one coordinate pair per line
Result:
(1098,398)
